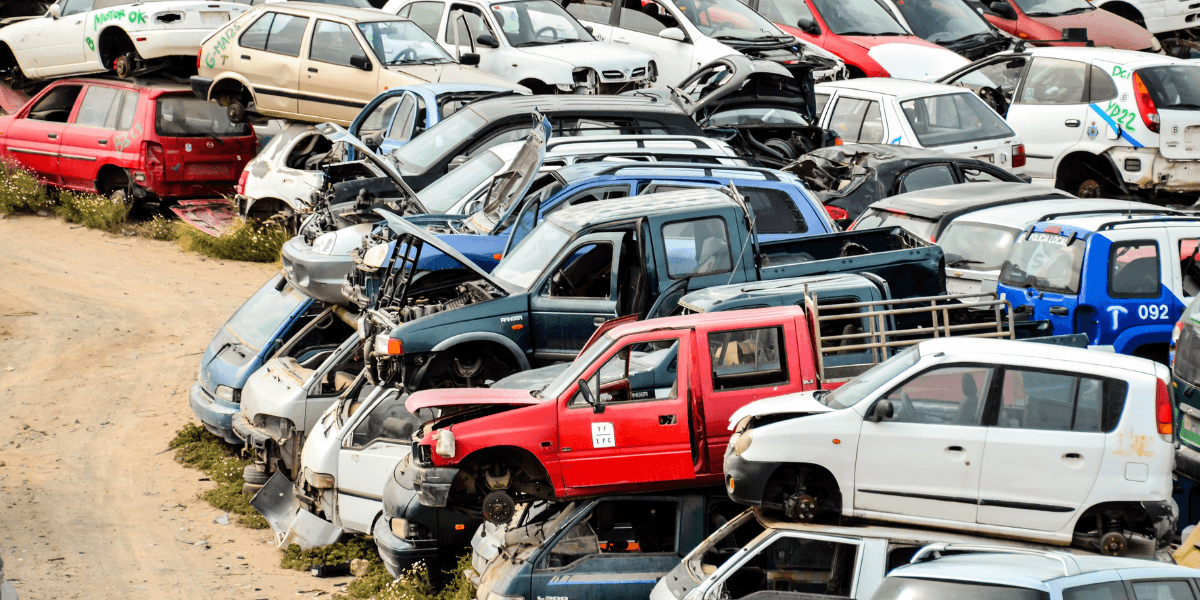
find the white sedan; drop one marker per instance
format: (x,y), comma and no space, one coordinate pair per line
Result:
(80,37)
(879,110)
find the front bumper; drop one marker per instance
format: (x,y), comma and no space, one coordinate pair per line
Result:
(214,413)
(746,480)
(1172,15)
(319,276)
(200,86)
(248,433)
(399,554)
(432,484)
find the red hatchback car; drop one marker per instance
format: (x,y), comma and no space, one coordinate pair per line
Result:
(1045,20)
(151,141)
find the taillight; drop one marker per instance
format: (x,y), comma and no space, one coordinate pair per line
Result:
(1018,156)
(154,158)
(1163,411)
(837,214)
(1145,104)
(241,185)
(198,53)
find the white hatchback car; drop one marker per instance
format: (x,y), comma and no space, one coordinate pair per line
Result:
(533,42)
(1016,439)
(880,110)
(80,37)
(1098,121)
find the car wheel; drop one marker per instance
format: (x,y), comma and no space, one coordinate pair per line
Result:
(499,507)
(1088,188)
(236,112)
(119,197)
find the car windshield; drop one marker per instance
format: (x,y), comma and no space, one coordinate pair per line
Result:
(1045,261)
(874,218)
(522,266)
(913,588)
(261,315)
(853,391)
(438,141)
(942,21)
(574,372)
(756,116)
(1173,87)
(858,17)
(729,20)
(1053,8)
(186,116)
(977,246)
(402,42)
(538,23)
(444,193)
(949,119)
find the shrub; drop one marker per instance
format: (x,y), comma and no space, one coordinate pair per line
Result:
(157,228)
(197,448)
(92,211)
(245,240)
(20,191)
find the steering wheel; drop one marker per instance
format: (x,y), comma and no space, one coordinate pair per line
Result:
(564,282)
(994,98)
(555,35)
(405,54)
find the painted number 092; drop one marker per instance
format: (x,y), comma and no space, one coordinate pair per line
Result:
(1153,312)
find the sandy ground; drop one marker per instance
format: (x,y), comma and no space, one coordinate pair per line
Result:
(100,338)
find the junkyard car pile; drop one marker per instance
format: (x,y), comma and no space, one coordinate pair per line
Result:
(573,284)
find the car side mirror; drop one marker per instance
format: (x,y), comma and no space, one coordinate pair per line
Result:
(487,40)
(808,25)
(882,410)
(469,59)
(360,62)
(589,398)
(672,33)
(55,11)
(1003,10)
(588,28)
(457,162)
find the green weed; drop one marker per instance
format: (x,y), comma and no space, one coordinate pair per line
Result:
(414,585)
(245,240)
(157,228)
(20,191)
(92,211)
(197,448)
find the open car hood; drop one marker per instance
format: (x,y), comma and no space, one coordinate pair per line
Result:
(801,403)
(735,81)
(335,134)
(510,186)
(402,227)
(468,397)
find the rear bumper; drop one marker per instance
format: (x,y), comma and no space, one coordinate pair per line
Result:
(319,276)
(432,484)
(178,190)
(214,413)
(399,554)
(1166,16)
(1154,171)
(200,86)
(745,480)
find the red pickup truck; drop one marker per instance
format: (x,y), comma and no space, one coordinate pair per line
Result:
(645,406)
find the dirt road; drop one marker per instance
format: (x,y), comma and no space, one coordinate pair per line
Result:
(100,338)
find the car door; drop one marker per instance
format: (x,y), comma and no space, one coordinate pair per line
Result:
(90,141)
(858,119)
(622,436)
(640,24)
(35,135)
(1185,282)
(57,45)
(1139,275)
(465,24)
(268,56)
(1048,112)
(379,438)
(925,460)
(576,296)
(330,85)
(1051,420)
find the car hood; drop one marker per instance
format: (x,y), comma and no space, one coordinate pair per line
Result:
(403,227)
(736,80)
(510,185)
(1104,28)
(798,403)
(468,397)
(597,55)
(870,41)
(923,62)
(453,73)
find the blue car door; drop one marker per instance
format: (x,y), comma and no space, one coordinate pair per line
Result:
(576,295)
(1140,307)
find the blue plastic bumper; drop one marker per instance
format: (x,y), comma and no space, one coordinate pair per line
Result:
(214,413)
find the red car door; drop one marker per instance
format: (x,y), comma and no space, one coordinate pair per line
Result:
(638,435)
(93,139)
(35,135)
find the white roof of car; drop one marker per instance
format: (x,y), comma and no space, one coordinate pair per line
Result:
(1092,223)
(1124,57)
(1026,213)
(888,86)
(1033,570)
(1033,352)
(348,13)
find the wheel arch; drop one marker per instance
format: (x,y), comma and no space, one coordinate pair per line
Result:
(110,35)
(525,458)
(510,346)
(231,82)
(271,205)
(1078,165)
(789,469)
(1125,10)
(107,177)
(537,86)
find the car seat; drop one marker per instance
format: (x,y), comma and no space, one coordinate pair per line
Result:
(970,402)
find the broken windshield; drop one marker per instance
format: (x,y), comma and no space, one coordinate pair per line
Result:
(1045,261)
(264,312)
(522,266)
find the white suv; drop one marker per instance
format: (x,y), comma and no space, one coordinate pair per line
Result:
(1097,122)
(1017,439)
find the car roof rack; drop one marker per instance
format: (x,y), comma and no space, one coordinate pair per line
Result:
(769,174)
(1111,211)
(1114,224)
(934,551)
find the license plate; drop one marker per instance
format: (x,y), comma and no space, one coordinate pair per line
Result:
(988,157)
(1191,429)
(207,170)
(213,18)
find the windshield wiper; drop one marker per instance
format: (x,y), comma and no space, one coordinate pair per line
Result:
(820,394)
(535,43)
(871,33)
(962,262)
(214,136)
(1042,14)
(1075,11)
(416,61)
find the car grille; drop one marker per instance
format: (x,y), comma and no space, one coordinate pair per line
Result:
(613,75)
(638,72)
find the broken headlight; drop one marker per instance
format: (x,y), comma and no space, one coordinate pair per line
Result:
(324,244)
(743,443)
(405,529)
(228,394)
(318,480)
(375,256)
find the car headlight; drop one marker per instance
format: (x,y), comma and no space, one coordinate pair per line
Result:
(324,244)
(227,393)
(318,480)
(743,442)
(375,256)
(405,529)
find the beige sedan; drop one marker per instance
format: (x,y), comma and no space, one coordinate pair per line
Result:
(320,62)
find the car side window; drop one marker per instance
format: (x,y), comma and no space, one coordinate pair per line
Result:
(976,175)
(514,134)
(618,379)
(697,247)
(857,120)
(774,211)
(645,16)
(334,43)
(923,178)
(796,565)
(74,7)
(470,26)
(1051,401)
(951,395)
(1113,590)
(255,36)
(99,102)
(286,34)
(625,527)
(56,106)
(427,16)
(1003,75)
(1101,87)
(380,117)
(597,11)
(1054,81)
(822,100)
(747,358)
(1189,269)
(586,273)
(406,113)
(389,420)
(1162,590)
(1133,270)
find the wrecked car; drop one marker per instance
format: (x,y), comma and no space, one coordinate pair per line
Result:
(1016,439)
(854,176)
(609,548)
(409,532)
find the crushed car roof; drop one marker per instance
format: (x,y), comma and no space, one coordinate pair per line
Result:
(574,218)
(935,203)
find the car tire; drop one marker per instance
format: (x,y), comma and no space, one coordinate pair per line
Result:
(255,475)
(119,197)
(236,113)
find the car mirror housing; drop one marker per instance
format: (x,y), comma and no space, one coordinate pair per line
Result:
(1003,10)
(673,33)
(55,11)
(882,410)
(457,162)
(589,398)
(808,25)
(469,59)
(360,62)
(487,40)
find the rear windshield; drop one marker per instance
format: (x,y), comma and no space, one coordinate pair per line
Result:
(438,141)
(184,116)
(881,218)
(911,588)
(1175,86)
(977,246)
(1045,261)
(264,312)
(953,119)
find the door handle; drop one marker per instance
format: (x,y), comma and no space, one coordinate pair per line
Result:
(1071,123)
(53,136)
(954,449)
(312,70)
(620,40)
(245,57)
(1073,455)
(102,142)
(598,321)
(1059,310)
(666,419)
